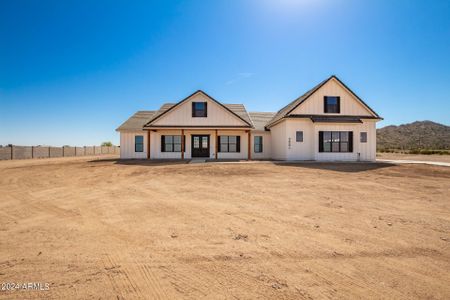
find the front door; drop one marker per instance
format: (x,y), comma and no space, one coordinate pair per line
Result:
(200,146)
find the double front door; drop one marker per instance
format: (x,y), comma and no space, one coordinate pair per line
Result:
(200,146)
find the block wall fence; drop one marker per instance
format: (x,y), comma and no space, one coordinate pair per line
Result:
(29,152)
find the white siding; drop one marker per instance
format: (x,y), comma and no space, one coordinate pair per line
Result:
(267,143)
(127,144)
(349,104)
(216,115)
(155,144)
(300,150)
(361,151)
(309,148)
(279,141)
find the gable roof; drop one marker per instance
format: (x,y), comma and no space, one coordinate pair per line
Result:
(237,110)
(260,119)
(285,111)
(137,121)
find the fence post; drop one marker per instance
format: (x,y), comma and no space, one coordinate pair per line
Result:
(75,150)
(49,151)
(63,151)
(32,152)
(12,152)
(84,150)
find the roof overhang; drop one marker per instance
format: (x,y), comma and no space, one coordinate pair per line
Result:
(150,127)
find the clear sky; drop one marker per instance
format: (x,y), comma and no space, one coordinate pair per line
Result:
(72,71)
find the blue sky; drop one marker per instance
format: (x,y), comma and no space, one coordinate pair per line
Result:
(72,71)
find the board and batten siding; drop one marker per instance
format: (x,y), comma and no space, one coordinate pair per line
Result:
(279,141)
(127,144)
(155,145)
(361,151)
(349,104)
(267,143)
(182,115)
(299,150)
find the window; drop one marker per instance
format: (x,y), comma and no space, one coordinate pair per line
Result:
(363,137)
(332,104)
(199,109)
(299,136)
(335,141)
(258,144)
(171,143)
(138,143)
(229,143)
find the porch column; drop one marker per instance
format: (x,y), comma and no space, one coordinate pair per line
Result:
(216,142)
(182,143)
(249,145)
(148,144)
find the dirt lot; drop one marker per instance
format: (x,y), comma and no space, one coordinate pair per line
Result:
(113,230)
(419,157)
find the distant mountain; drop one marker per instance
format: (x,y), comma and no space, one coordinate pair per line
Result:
(417,135)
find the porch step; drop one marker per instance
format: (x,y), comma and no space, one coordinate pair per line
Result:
(197,161)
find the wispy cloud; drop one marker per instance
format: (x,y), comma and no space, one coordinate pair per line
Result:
(239,76)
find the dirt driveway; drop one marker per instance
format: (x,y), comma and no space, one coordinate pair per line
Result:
(134,230)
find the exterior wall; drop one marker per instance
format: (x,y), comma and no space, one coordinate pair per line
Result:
(244,145)
(349,104)
(299,150)
(361,151)
(267,145)
(216,115)
(155,144)
(279,141)
(309,148)
(127,144)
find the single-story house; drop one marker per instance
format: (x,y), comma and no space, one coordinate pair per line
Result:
(327,123)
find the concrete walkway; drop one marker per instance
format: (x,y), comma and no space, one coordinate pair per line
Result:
(404,161)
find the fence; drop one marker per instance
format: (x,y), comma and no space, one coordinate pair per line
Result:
(28,152)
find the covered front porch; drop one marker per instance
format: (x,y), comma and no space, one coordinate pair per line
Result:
(202,143)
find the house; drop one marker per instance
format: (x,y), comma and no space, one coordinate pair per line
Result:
(327,123)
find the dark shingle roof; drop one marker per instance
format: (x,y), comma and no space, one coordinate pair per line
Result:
(137,121)
(260,119)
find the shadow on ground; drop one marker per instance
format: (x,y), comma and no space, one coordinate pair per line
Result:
(348,167)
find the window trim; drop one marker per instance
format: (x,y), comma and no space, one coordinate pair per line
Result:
(260,138)
(238,144)
(296,136)
(361,134)
(325,105)
(135,144)
(322,142)
(194,111)
(182,143)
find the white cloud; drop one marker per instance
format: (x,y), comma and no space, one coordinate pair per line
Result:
(240,76)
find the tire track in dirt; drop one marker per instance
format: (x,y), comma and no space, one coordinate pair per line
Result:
(142,281)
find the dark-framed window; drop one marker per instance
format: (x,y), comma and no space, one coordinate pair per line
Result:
(332,104)
(335,141)
(229,143)
(258,144)
(299,136)
(138,143)
(172,143)
(363,137)
(199,109)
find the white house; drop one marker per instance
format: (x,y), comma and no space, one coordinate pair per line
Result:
(329,122)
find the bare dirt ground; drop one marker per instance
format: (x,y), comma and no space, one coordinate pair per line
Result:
(418,157)
(105,229)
